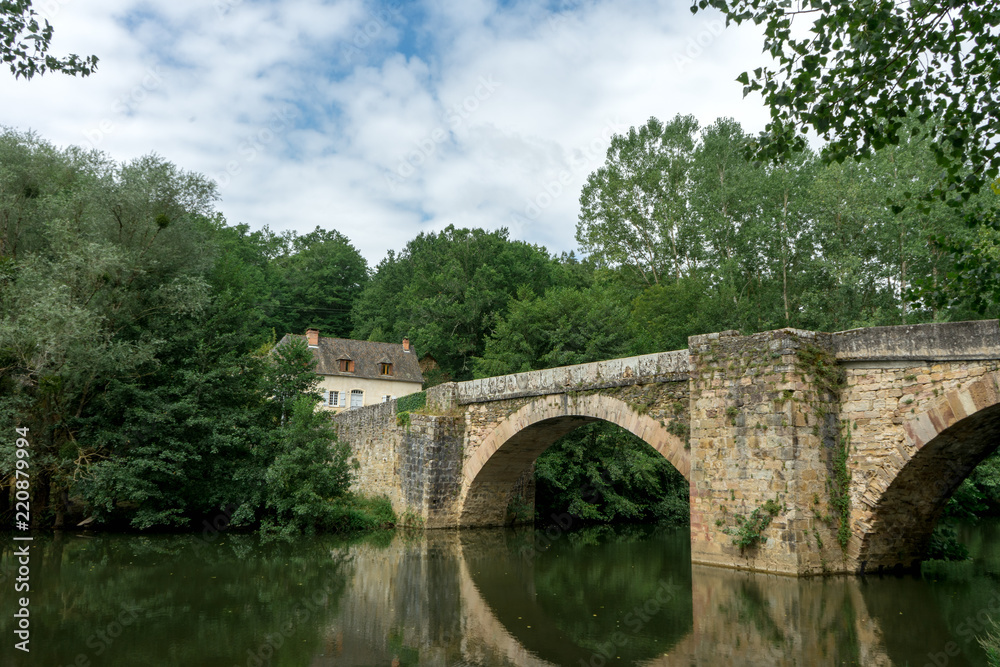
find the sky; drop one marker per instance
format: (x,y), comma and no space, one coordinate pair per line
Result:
(385,119)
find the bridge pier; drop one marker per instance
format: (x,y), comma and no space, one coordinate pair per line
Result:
(764,441)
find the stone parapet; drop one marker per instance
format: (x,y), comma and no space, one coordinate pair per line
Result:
(645,369)
(946,341)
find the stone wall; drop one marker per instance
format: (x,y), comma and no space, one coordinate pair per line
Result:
(503,438)
(431,469)
(950,341)
(376,442)
(763,430)
(644,369)
(904,417)
(414,460)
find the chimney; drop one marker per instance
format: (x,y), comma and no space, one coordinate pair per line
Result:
(312,336)
(406,345)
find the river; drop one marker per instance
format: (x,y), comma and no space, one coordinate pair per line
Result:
(598,596)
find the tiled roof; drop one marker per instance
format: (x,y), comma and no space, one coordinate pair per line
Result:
(366,355)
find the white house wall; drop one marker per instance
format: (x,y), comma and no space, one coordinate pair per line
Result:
(374,389)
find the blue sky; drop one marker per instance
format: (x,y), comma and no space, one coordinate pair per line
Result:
(386,119)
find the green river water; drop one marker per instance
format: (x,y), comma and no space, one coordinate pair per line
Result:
(598,596)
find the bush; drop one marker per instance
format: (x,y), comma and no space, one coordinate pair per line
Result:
(355,513)
(944,545)
(991,644)
(602,473)
(411,402)
(310,471)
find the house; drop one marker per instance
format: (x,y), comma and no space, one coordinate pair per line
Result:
(433,375)
(361,372)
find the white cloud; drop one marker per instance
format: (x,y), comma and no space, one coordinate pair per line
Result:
(384,120)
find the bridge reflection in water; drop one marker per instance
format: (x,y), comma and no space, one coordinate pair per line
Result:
(601,597)
(597,596)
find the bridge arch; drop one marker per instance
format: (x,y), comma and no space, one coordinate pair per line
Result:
(942,444)
(491,475)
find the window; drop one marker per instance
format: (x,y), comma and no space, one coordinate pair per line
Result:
(386,398)
(346,366)
(333,399)
(357,398)
(385,369)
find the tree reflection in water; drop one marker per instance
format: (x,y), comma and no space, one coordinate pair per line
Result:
(597,596)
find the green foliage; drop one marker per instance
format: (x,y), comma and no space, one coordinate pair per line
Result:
(664,315)
(25,38)
(991,644)
(445,290)
(354,513)
(565,326)
(411,402)
(92,282)
(749,531)
(317,278)
(979,494)
(800,244)
(944,544)
(821,364)
(291,374)
(519,512)
(632,210)
(602,473)
(310,468)
(839,486)
(861,70)
(132,345)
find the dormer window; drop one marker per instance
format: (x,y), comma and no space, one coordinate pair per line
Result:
(346,366)
(385,369)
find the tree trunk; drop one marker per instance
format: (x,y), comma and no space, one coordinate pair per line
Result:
(784,255)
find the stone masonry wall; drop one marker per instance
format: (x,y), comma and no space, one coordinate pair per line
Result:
(763,428)
(430,468)
(491,492)
(416,463)
(666,402)
(375,440)
(855,438)
(878,403)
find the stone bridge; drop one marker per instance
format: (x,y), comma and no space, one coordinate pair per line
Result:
(852,442)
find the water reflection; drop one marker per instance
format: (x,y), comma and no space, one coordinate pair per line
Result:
(492,597)
(168,600)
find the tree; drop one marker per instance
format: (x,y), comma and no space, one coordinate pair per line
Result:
(291,374)
(310,469)
(318,277)
(91,252)
(446,289)
(864,68)
(602,473)
(24,44)
(632,210)
(131,345)
(663,316)
(564,326)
